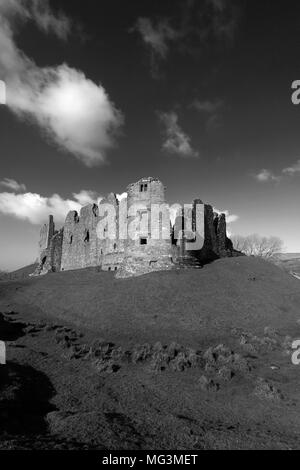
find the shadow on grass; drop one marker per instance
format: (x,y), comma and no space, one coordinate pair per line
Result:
(11,330)
(25,395)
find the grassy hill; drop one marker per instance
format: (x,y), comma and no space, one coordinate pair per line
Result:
(190,359)
(290,262)
(22,273)
(188,305)
(3,275)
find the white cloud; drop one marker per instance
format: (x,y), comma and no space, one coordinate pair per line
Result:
(122,196)
(74,112)
(265,176)
(85,197)
(36,208)
(12,185)
(292,170)
(230,218)
(176,140)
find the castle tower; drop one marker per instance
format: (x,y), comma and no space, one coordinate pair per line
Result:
(46,234)
(49,248)
(148,246)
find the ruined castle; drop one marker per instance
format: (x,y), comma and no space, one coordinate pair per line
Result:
(78,245)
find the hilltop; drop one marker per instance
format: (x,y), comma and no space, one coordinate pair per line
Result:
(237,292)
(191,359)
(290,262)
(18,274)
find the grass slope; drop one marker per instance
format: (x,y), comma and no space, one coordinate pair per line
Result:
(187,305)
(290,262)
(21,273)
(62,401)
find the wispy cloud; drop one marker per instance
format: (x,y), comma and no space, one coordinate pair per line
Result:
(292,170)
(224,18)
(39,12)
(12,185)
(75,113)
(200,23)
(218,5)
(207,106)
(85,197)
(212,110)
(265,176)
(157,37)
(176,141)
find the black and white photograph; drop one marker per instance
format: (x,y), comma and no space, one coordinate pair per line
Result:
(149,228)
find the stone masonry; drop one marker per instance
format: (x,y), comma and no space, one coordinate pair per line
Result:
(78,245)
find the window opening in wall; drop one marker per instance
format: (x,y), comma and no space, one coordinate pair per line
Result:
(143,187)
(143,241)
(87,236)
(95,210)
(71,239)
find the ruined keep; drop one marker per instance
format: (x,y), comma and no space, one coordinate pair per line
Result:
(78,245)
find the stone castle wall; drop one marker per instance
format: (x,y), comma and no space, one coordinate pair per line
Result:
(79,248)
(83,241)
(111,251)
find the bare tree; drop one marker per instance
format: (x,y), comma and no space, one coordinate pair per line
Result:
(256,245)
